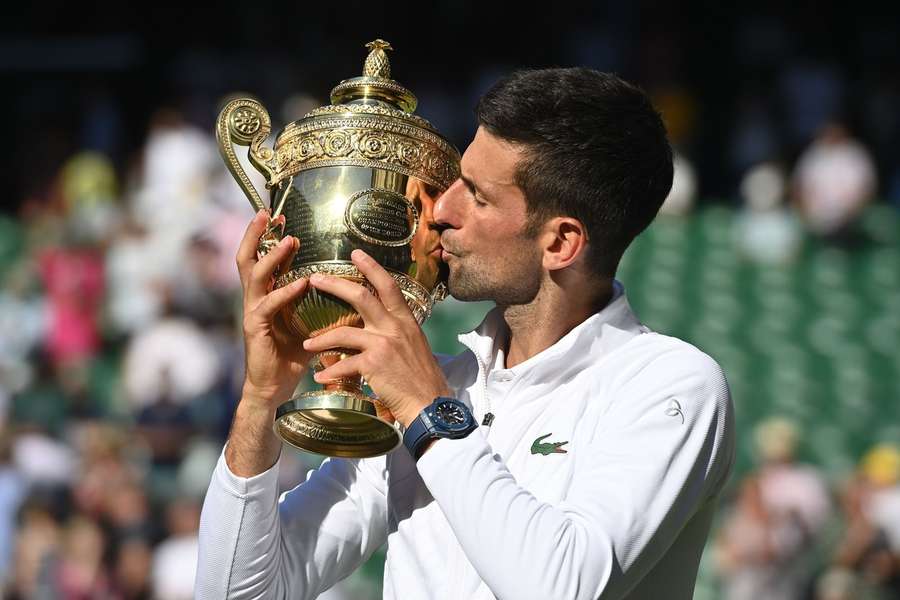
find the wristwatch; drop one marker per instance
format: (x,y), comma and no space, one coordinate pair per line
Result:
(443,418)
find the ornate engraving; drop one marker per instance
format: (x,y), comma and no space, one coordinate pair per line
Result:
(337,143)
(381,217)
(373,145)
(303,428)
(366,142)
(246,121)
(340,269)
(408,154)
(419,299)
(375,82)
(368,109)
(306,149)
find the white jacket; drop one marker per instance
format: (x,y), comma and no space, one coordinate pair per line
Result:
(624,512)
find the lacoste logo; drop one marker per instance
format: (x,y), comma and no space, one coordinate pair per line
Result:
(538,447)
(674,410)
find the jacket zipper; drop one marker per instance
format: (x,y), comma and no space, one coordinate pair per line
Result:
(482,372)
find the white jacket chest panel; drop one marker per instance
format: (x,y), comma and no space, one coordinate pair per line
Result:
(530,418)
(569,411)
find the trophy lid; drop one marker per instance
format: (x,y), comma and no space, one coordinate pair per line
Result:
(376,83)
(370,124)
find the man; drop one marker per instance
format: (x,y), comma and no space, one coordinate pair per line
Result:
(602,445)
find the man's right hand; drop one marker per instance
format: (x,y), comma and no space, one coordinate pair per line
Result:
(274,359)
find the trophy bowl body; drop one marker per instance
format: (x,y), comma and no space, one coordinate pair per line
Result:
(362,173)
(334,210)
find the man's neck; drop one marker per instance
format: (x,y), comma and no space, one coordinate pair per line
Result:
(553,313)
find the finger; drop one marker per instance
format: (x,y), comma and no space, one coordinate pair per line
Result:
(383,412)
(278,299)
(359,297)
(262,271)
(346,367)
(287,262)
(285,265)
(246,252)
(387,288)
(341,337)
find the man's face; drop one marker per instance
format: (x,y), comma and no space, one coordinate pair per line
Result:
(486,248)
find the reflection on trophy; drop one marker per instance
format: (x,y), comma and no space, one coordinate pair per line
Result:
(363,172)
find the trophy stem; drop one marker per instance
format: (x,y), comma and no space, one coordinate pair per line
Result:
(328,358)
(339,420)
(342,386)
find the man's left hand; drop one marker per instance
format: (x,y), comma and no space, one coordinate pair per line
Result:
(394,355)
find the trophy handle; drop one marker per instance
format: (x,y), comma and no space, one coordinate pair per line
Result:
(245,122)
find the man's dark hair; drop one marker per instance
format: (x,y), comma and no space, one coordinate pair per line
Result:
(596,150)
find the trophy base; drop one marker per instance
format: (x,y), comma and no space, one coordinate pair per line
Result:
(335,423)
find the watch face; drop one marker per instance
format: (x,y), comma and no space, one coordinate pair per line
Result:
(451,415)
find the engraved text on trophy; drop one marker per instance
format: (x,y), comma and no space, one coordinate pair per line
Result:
(381,217)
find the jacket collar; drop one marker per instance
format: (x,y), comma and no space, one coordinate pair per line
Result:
(599,334)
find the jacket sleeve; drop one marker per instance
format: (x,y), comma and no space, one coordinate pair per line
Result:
(639,479)
(254,544)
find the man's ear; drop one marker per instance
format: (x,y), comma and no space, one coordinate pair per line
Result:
(565,240)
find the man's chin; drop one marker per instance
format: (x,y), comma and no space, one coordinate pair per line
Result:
(462,292)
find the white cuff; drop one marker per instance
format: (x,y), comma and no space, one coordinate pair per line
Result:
(246,487)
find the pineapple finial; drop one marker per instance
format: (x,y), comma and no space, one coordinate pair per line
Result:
(377,64)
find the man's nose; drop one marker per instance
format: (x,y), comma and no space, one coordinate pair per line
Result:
(446,208)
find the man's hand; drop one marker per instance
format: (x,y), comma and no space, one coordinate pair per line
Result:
(275,360)
(394,356)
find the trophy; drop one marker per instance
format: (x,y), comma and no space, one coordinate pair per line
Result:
(362,172)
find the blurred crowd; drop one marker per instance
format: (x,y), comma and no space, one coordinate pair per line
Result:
(119,363)
(787,534)
(833,181)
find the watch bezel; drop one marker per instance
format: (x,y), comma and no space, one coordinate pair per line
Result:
(428,425)
(438,419)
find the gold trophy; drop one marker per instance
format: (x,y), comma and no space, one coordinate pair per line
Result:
(363,172)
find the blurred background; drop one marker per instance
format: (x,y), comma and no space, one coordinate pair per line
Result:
(778,253)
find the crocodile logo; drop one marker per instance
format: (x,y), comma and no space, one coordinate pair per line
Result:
(539,447)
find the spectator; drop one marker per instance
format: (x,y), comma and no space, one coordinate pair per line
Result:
(175,559)
(127,513)
(174,186)
(73,278)
(174,359)
(764,545)
(23,324)
(683,195)
(103,469)
(136,281)
(833,182)
(37,542)
(133,563)
(80,573)
(871,503)
(765,230)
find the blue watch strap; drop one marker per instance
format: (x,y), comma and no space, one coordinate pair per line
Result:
(428,426)
(415,435)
